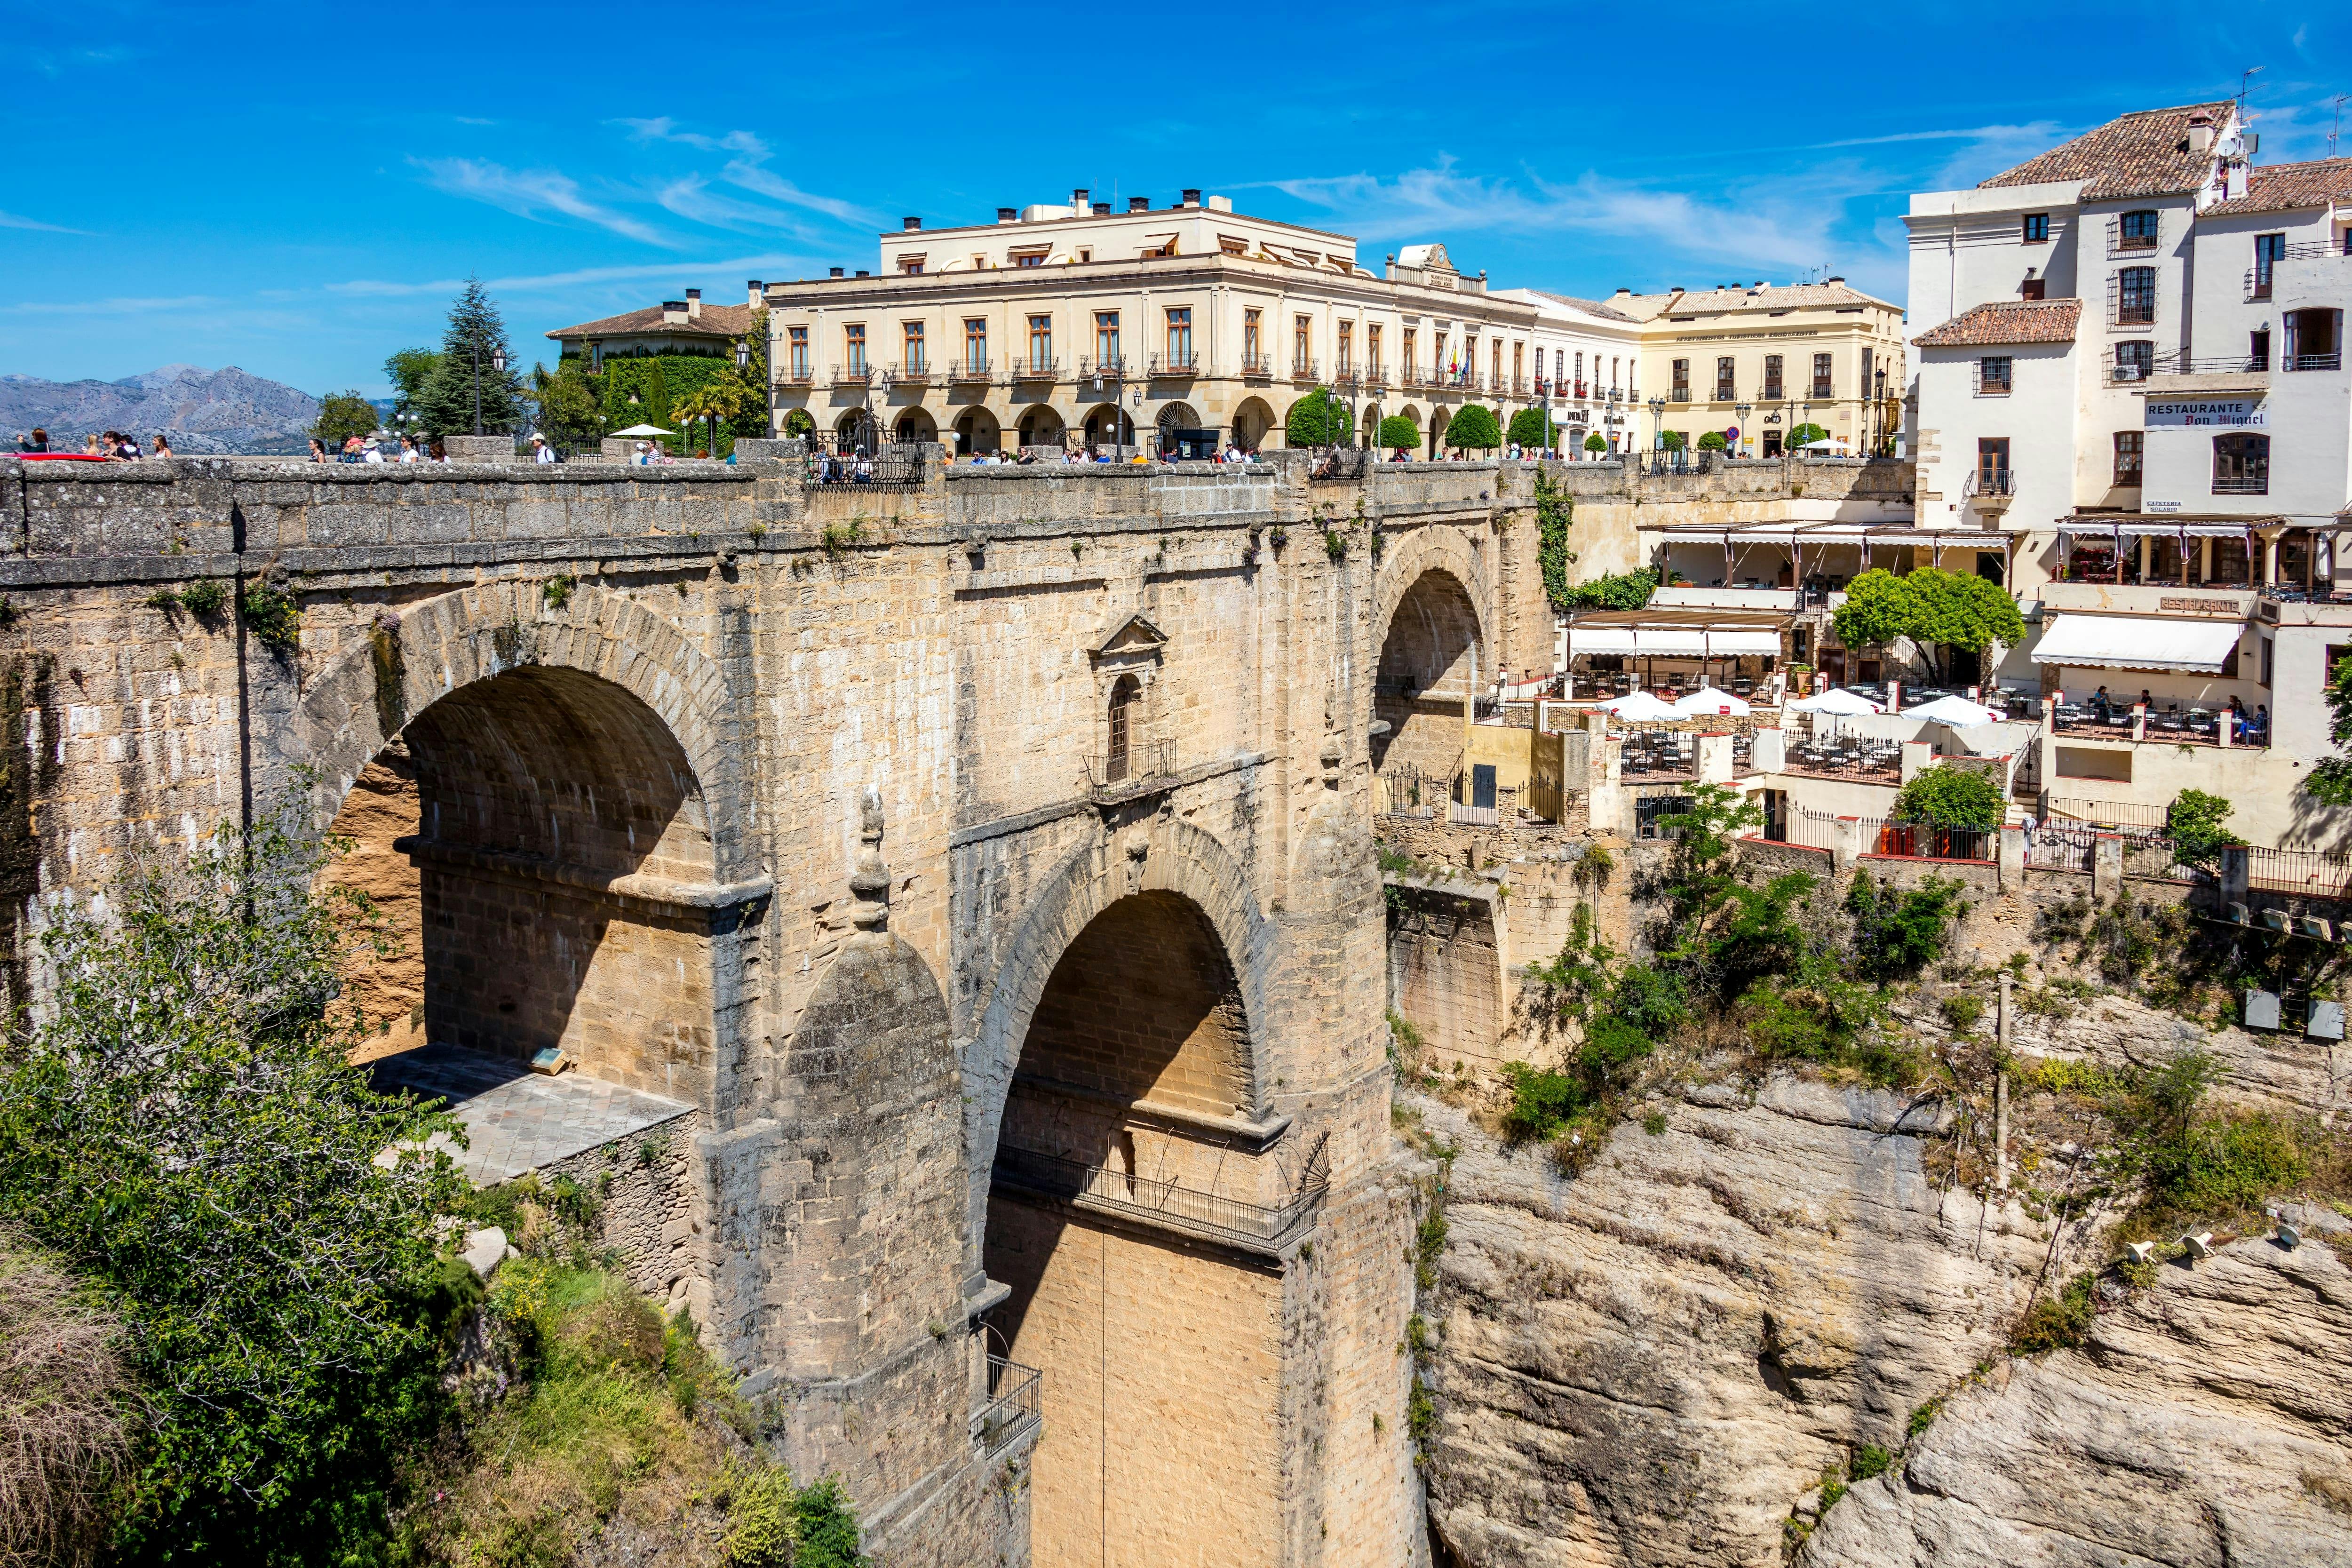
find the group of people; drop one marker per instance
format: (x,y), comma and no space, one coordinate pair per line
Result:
(2255,726)
(112,445)
(369,449)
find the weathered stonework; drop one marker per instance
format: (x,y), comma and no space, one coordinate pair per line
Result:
(794,806)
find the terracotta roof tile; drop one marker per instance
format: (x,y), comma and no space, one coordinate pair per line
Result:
(716,322)
(2144,153)
(1590,307)
(2282,187)
(2007,321)
(1773,296)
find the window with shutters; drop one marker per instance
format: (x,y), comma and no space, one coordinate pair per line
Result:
(1773,390)
(975,343)
(1725,381)
(2130,447)
(1821,376)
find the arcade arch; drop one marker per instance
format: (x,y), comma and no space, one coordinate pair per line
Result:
(1252,422)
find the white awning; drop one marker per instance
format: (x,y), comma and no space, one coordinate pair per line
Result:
(1599,639)
(2139,642)
(1743,642)
(1688,642)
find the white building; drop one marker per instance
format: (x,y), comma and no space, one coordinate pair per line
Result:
(1587,360)
(2128,357)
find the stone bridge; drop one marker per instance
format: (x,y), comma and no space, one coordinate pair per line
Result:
(982,865)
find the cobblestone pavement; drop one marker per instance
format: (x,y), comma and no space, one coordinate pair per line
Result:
(516,1119)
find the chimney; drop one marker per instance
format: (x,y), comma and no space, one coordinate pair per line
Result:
(1623,294)
(1007,214)
(674,312)
(1835,280)
(2200,133)
(758,291)
(910,224)
(1139,203)
(694,304)
(836,272)
(1191,197)
(1102,209)
(861,272)
(1078,201)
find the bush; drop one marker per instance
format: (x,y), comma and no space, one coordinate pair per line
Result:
(1670,440)
(2194,821)
(1616,591)
(1896,933)
(1596,443)
(1952,797)
(273,617)
(1869,1460)
(67,1401)
(1318,420)
(1531,428)
(1541,1102)
(1806,435)
(2059,1321)
(186,1127)
(1649,999)
(1399,433)
(1472,428)
(1711,441)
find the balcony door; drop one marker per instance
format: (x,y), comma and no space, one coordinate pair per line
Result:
(1992,465)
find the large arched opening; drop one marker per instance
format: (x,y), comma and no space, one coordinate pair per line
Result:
(1252,422)
(1137,1215)
(976,431)
(1041,426)
(539,844)
(1430,673)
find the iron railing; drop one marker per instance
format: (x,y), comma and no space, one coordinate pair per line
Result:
(2312,362)
(970,370)
(1035,368)
(1926,840)
(889,468)
(2153,857)
(2116,814)
(2122,244)
(1257,1226)
(1256,364)
(1852,759)
(2239,485)
(2211,364)
(1015,1406)
(1305,369)
(1175,364)
(2306,871)
(908,375)
(1996,484)
(1113,366)
(1124,769)
(853,375)
(2054,848)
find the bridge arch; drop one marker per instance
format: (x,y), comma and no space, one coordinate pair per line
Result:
(1436,621)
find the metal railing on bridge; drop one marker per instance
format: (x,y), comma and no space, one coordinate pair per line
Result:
(1259,1227)
(1015,1406)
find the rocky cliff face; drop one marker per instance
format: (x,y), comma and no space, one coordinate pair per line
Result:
(1657,1360)
(2207,1420)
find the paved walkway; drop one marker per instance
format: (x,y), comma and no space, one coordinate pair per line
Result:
(516,1119)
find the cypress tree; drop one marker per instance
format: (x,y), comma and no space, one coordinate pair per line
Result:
(447,404)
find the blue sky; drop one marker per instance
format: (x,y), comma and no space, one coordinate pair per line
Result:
(297,190)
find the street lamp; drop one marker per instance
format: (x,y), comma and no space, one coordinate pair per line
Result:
(1657,423)
(498,363)
(1878,410)
(1740,411)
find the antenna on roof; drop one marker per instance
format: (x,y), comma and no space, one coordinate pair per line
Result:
(2335,129)
(2243,78)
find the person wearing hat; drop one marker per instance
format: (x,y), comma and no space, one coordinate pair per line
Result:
(540,451)
(371,452)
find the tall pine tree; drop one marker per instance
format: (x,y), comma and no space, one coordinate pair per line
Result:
(447,403)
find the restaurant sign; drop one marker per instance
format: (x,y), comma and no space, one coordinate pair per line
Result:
(2206,413)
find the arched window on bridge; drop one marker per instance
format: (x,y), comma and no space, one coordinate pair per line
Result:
(1124,697)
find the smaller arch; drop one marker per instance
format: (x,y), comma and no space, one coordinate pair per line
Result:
(1108,426)
(1252,422)
(1368,424)
(1041,426)
(976,431)
(1172,418)
(915,425)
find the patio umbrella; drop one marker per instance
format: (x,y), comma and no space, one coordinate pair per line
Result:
(1957,711)
(644,430)
(1708,700)
(1641,705)
(1837,699)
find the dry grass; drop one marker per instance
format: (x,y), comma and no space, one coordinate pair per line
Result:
(65,1431)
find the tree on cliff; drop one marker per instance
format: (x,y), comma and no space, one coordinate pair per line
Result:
(183,1130)
(475,337)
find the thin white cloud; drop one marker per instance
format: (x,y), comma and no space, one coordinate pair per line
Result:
(553,283)
(745,171)
(120,306)
(2039,130)
(13,220)
(750,176)
(665,129)
(531,193)
(691,197)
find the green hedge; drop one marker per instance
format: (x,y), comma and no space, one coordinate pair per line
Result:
(661,382)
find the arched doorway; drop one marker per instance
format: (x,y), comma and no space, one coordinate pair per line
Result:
(517,802)
(1437,418)
(1430,665)
(1108,425)
(1252,423)
(1041,426)
(856,431)
(1172,418)
(976,431)
(1368,425)
(1116,1140)
(915,425)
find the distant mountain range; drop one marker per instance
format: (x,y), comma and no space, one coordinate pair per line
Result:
(207,412)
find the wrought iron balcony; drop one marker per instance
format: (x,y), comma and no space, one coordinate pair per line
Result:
(1175,364)
(1256,1227)
(2241,485)
(853,375)
(1037,369)
(1113,368)
(908,375)
(970,371)
(1257,365)
(1120,774)
(1014,1409)
(2312,362)
(1374,377)
(1991,489)
(1305,369)
(1681,393)
(791,376)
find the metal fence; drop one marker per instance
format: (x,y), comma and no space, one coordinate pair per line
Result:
(892,467)
(1015,1406)
(2054,848)
(1254,1226)
(1923,840)
(2306,871)
(1118,770)
(2114,813)
(2151,857)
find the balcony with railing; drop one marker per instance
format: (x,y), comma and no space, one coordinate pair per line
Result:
(794,375)
(969,371)
(1680,392)
(1262,1228)
(1375,378)
(2312,362)
(1853,757)
(1346,375)
(1989,490)
(1822,390)
(916,374)
(852,376)
(2242,484)
(1138,768)
(1303,369)
(1112,367)
(1175,365)
(1014,1409)
(1257,366)
(1036,367)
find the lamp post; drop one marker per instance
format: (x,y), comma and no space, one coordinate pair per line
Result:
(1657,423)
(1740,411)
(498,363)
(1878,410)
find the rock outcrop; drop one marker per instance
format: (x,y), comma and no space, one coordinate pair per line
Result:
(1652,1361)
(2207,1420)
